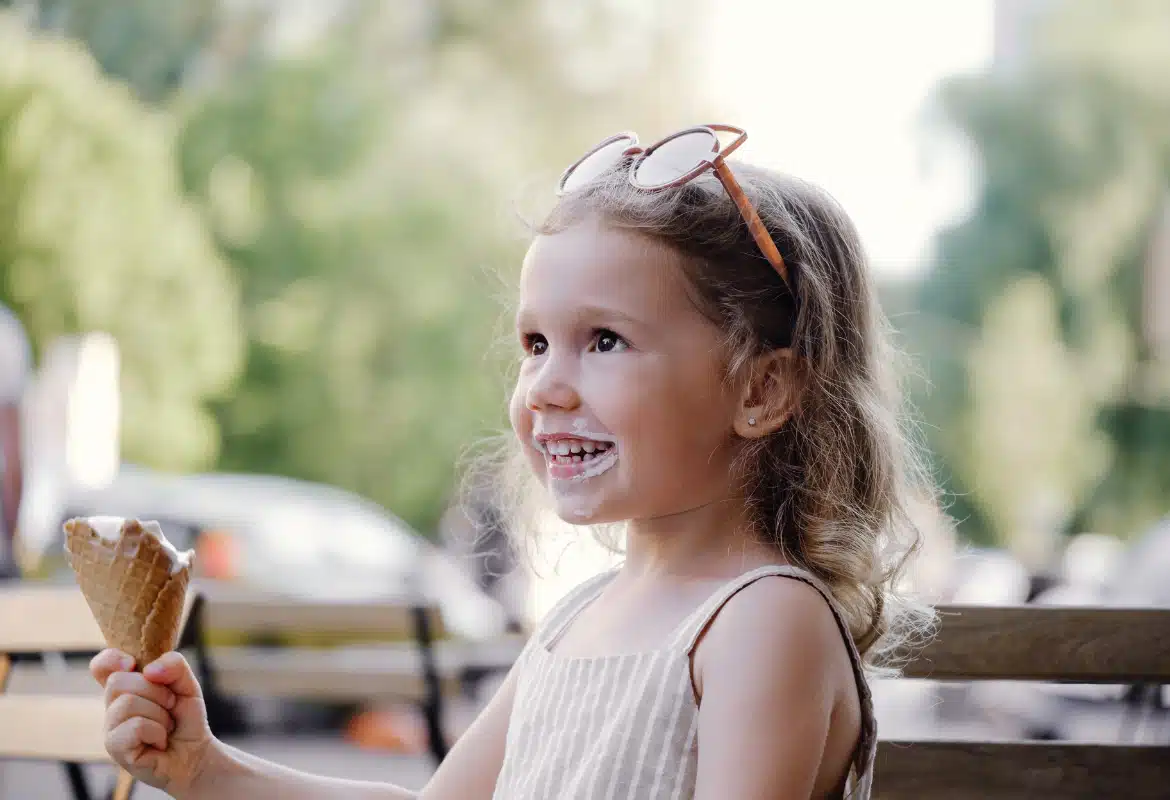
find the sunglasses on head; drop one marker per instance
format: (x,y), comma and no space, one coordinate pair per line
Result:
(674,161)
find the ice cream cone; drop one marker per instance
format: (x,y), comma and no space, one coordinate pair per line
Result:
(134,581)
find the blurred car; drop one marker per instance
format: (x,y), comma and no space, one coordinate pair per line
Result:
(1143,576)
(278,535)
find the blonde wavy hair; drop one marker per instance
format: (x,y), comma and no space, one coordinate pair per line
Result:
(838,488)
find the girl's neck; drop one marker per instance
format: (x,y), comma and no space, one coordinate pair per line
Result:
(715,540)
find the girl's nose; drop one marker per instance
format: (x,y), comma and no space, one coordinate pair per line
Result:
(550,389)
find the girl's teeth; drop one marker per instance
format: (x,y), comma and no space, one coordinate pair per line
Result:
(564,448)
(559,455)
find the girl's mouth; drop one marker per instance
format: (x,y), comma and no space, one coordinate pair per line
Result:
(576,459)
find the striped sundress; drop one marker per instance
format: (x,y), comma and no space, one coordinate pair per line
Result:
(624,727)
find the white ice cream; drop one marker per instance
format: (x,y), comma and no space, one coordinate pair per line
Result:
(110,529)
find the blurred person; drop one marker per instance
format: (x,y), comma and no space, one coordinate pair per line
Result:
(703,362)
(15,366)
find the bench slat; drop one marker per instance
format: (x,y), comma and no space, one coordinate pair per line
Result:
(352,674)
(1019,771)
(314,675)
(40,619)
(392,619)
(1048,643)
(49,728)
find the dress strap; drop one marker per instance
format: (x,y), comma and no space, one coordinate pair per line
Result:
(693,628)
(557,620)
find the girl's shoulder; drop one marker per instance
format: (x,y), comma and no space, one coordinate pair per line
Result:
(795,610)
(782,647)
(751,596)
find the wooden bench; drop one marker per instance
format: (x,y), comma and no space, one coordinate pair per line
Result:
(412,661)
(355,674)
(1046,644)
(40,622)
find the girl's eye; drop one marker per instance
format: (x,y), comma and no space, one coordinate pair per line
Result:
(534,344)
(606,341)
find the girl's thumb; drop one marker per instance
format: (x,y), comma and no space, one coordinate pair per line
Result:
(173,671)
(189,713)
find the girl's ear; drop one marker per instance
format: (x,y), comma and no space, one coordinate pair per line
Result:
(771,394)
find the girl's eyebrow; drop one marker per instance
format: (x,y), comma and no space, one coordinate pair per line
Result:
(526,317)
(606,313)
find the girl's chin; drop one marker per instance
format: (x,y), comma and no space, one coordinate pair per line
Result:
(578,515)
(581,493)
(580,508)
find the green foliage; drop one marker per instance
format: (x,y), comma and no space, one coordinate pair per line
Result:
(96,234)
(364,203)
(359,184)
(1030,321)
(365,286)
(149,44)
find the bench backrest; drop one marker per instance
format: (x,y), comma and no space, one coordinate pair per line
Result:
(226,617)
(1034,643)
(279,616)
(44,620)
(40,620)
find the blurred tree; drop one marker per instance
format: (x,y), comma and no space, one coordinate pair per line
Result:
(96,234)
(367,304)
(1047,410)
(157,47)
(360,184)
(515,88)
(358,161)
(150,44)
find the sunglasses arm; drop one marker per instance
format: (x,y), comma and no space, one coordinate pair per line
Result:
(752,218)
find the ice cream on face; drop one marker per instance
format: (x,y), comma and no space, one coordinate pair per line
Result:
(110,530)
(576,456)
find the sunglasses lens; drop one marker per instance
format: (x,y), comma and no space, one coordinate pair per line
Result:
(674,159)
(595,164)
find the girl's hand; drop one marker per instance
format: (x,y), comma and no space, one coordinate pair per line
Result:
(156,723)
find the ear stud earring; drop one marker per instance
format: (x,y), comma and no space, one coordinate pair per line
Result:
(751,420)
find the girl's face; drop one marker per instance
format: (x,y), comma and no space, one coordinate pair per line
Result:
(620,406)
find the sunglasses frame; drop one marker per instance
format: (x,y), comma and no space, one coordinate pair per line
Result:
(714,161)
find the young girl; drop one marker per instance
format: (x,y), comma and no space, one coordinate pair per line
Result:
(704,361)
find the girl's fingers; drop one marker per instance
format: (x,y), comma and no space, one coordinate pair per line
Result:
(131,706)
(172,670)
(129,741)
(107,662)
(123,683)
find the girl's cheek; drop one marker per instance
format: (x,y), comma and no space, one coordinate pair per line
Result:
(516,411)
(521,419)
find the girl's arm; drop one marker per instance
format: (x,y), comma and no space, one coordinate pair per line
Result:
(470,770)
(468,773)
(156,728)
(768,672)
(231,773)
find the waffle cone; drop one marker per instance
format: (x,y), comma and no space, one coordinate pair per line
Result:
(134,596)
